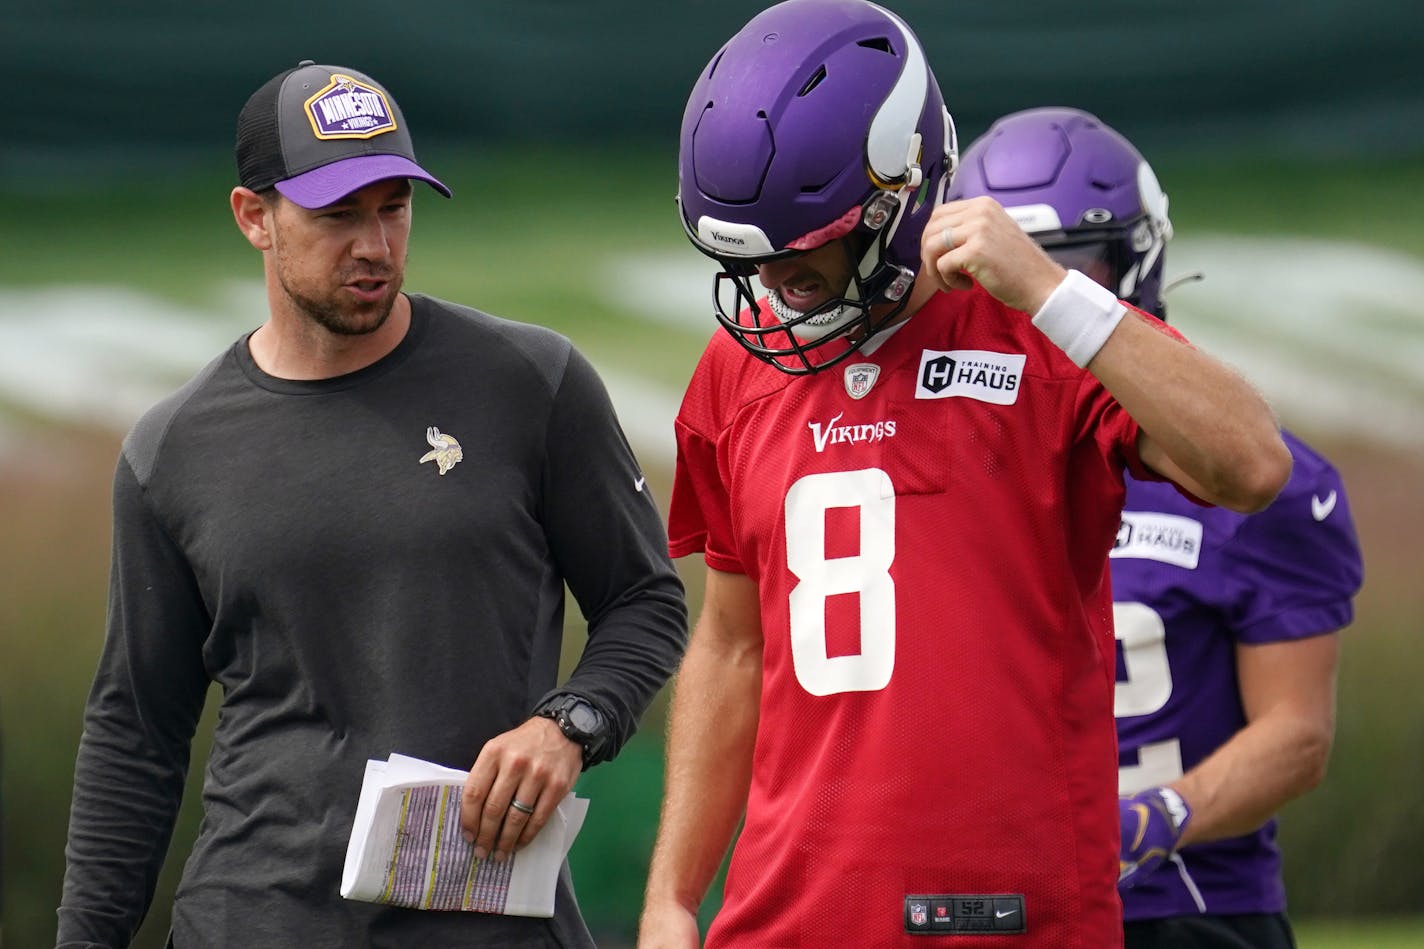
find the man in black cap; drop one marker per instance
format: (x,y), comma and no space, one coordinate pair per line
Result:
(358,521)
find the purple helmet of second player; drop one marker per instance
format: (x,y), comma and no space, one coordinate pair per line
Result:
(1084,193)
(820,119)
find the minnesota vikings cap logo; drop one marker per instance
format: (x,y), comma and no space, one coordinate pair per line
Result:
(350,108)
(318,133)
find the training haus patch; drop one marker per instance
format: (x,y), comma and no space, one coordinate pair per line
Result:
(970,374)
(1168,538)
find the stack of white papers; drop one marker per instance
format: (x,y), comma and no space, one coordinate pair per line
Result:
(406,848)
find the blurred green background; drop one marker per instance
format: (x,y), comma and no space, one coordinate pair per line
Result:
(1291,142)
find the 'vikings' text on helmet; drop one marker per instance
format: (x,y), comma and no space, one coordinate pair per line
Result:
(1084,193)
(819,120)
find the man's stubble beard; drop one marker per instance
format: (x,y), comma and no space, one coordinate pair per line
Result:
(354,318)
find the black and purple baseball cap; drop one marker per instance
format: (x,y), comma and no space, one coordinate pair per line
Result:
(318,133)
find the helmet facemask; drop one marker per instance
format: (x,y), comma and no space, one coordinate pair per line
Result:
(797,342)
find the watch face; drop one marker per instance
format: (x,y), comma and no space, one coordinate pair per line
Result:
(585,719)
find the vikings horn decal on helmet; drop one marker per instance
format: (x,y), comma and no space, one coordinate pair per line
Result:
(1084,193)
(819,121)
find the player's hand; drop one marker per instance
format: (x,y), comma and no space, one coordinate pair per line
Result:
(668,925)
(533,764)
(1152,823)
(977,238)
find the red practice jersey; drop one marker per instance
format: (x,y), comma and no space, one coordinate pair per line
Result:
(928,527)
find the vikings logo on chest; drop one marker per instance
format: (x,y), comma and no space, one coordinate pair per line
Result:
(445,451)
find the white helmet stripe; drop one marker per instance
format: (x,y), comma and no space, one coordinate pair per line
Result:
(895,121)
(1154,200)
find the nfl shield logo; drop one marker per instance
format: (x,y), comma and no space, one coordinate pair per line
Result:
(918,914)
(860,378)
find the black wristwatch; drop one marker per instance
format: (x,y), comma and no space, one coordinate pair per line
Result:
(580,721)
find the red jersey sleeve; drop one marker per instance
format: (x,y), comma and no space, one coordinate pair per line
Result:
(700,513)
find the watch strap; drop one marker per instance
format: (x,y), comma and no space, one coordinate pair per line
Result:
(559,708)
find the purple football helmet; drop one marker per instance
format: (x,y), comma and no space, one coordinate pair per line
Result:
(819,120)
(1084,193)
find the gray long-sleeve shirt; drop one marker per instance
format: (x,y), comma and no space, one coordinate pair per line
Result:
(287,541)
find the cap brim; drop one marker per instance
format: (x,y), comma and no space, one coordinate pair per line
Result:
(330,183)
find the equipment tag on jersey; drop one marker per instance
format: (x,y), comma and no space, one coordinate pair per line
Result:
(970,374)
(962,914)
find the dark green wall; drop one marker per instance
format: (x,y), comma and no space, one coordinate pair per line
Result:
(97,84)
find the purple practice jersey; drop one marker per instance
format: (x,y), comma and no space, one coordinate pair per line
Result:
(1189,584)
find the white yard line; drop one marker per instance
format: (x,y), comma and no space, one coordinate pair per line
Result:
(1333,334)
(102,355)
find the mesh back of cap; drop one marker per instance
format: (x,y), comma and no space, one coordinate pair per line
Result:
(259,145)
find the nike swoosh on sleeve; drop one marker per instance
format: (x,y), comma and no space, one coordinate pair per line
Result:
(1320,509)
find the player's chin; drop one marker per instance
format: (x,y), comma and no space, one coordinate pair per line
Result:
(360,319)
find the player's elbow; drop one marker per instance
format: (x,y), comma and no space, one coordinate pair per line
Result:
(1257,478)
(1315,756)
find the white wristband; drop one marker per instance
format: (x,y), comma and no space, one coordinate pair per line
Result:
(1079,316)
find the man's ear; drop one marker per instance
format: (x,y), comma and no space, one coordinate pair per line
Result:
(250,212)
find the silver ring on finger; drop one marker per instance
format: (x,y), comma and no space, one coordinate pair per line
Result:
(521,807)
(946,237)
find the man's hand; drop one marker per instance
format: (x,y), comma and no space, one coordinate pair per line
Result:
(1152,823)
(534,765)
(977,238)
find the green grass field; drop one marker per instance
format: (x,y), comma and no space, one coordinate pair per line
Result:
(1361,934)
(541,248)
